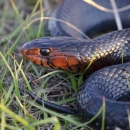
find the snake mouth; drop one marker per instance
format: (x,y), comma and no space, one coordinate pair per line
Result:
(54,53)
(55,61)
(34,55)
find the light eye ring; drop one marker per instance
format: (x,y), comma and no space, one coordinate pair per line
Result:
(45,52)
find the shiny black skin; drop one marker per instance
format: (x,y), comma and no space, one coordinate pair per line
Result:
(53,106)
(111,82)
(87,18)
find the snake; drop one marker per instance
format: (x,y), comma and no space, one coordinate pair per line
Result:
(109,55)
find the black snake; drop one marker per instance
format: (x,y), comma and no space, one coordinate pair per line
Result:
(75,53)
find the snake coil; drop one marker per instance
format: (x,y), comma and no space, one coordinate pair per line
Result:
(71,52)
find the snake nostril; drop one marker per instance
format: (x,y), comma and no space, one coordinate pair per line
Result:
(27,52)
(24,52)
(24,49)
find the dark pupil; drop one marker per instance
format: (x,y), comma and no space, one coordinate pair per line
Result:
(45,52)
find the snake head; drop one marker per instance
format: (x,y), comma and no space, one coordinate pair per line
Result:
(55,52)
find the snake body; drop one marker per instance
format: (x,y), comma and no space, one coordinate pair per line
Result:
(110,84)
(87,18)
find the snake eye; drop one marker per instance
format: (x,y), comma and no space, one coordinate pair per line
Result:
(45,52)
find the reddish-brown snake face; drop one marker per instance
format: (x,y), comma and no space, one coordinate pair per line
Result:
(73,54)
(58,55)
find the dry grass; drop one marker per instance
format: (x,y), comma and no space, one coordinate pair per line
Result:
(15,75)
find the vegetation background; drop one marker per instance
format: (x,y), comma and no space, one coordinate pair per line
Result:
(20,22)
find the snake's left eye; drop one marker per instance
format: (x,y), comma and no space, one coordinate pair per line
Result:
(45,52)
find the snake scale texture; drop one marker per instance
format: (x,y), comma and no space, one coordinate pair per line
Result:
(110,69)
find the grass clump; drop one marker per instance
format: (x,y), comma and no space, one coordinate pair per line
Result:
(17,110)
(20,22)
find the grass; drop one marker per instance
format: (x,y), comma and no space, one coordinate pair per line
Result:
(18,112)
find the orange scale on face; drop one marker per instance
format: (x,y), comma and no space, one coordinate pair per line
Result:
(38,60)
(59,61)
(31,53)
(31,58)
(45,62)
(34,51)
(72,61)
(35,59)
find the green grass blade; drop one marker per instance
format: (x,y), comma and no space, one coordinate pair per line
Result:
(103,113)
(52,120)
(80,80)
(7,65)
(8,94)
(16,11)
(73,80)
(18,118)
(3,121)
(11,49)
(66,101)
(24,76)
(41,21)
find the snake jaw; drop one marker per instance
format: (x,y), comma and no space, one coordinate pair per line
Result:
(56,59)
(35,56)
(59,57)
